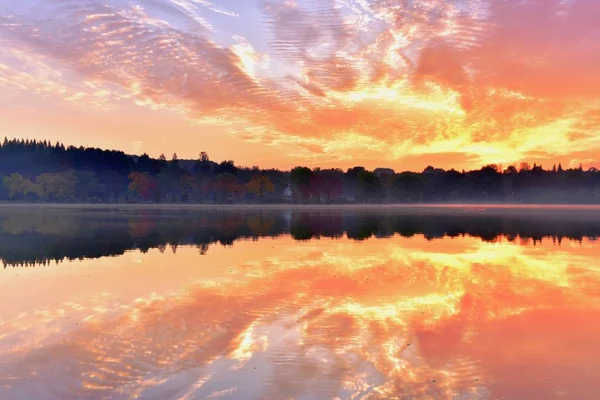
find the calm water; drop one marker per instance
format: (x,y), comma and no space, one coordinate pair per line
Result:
(398,303)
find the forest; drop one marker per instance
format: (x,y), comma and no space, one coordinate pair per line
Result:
(38,171)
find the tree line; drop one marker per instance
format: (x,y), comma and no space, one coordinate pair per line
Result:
(38,171)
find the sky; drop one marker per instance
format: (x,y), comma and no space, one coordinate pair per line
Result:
(331,83)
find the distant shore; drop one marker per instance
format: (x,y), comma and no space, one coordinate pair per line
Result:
(421,207)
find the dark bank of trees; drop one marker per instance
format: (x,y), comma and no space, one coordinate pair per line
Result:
(38,171)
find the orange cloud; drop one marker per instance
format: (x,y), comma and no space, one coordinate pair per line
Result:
(373,81)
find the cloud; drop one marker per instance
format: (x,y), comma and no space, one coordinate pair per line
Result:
(477,74)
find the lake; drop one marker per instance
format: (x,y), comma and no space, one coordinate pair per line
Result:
(426,302)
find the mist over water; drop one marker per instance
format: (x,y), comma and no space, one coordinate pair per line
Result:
(430,302)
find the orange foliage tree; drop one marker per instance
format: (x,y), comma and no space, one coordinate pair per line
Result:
(143,185)
(260,185)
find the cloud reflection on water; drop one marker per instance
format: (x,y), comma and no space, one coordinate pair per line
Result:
(277,318)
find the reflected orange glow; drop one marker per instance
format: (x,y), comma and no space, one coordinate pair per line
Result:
(273,318)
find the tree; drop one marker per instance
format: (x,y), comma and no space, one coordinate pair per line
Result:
(57,187)
(143,185)
(201,187)
(146,164)
(369,185)
(260,185)
(301,179)
(18,186)
(186,187)
(89,187)
(227,185)
(355,171)
(166,185)
(227,166)
(386,177)
(328,184)
(203,164)
(409,187)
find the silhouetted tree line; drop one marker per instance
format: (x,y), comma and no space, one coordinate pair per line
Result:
(37,237)
(32,170)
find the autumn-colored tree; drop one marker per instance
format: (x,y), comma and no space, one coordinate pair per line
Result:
(227,186)
(143,185)
(57,187)
(18,186)
(260,185)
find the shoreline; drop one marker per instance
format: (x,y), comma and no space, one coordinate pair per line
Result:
(465,207)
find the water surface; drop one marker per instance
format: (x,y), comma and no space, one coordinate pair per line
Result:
(397,303)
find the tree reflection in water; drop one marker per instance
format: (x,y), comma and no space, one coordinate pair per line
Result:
(40,236)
